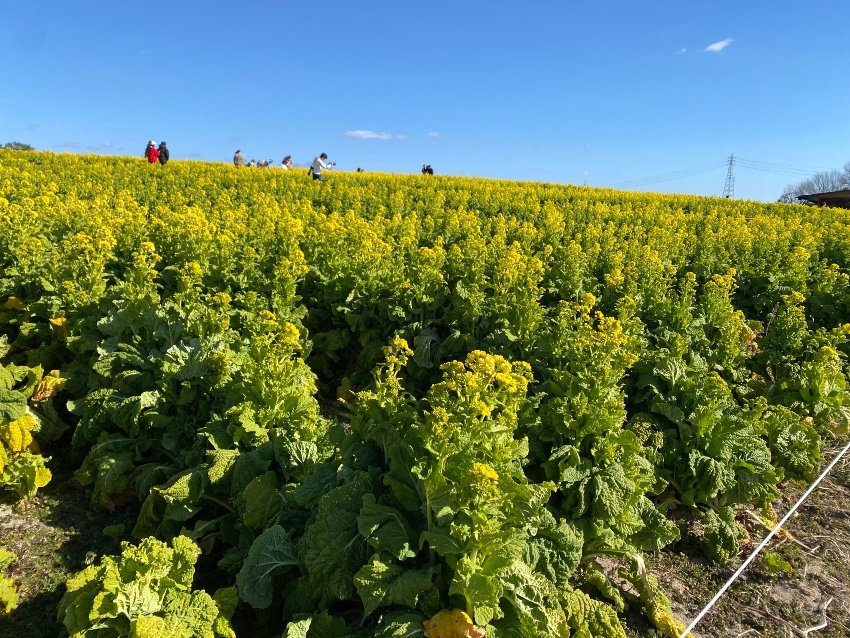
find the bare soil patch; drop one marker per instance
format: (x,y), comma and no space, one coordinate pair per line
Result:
(813,600)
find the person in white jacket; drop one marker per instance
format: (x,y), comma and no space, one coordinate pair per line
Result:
(320,164)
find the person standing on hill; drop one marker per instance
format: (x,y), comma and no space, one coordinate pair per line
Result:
(151,153)
(238,159)
(163,153)
(320,164)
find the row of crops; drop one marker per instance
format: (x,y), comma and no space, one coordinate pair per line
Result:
(405,405)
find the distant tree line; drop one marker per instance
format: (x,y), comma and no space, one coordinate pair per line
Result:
(826,182)
(17,146)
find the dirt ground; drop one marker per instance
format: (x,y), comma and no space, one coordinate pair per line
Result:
(60,534)
(812,600)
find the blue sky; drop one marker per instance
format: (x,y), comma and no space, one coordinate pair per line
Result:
(649,95)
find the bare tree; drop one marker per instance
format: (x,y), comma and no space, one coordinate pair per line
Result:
(824,182)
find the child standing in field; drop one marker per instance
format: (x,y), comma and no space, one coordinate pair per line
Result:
(238,159)
(151,153)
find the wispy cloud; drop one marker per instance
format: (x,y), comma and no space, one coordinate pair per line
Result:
(683,50)
(103,146)
(717,47)
(373,135)
(433,135)
(31,128)
(69,145)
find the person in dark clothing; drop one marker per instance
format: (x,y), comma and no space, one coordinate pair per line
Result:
(163,153)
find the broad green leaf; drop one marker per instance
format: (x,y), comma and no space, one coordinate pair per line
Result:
(332,549)
(316,484)
(272,553)
(382,584)
(248,466)
(657,532)
(400,624)
(13,405)
(298,628)
(262,501)
(612,491)
(386,529)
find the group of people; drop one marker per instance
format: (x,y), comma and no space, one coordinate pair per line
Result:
(319,164)
(160,154)
(239,160)
(155,153)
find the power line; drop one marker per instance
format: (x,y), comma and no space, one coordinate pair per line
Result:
(773,168)
(796,168)
(664,177)
(777,171)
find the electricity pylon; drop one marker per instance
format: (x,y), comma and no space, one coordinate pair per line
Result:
(729,187)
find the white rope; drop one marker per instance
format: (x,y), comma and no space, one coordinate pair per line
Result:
(767,538)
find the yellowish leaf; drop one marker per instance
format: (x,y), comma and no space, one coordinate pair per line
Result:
(17,434)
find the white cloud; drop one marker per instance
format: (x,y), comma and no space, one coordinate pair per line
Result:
(103,146)
(373,135)
(433,135)
(717,47)
(683,50)
(68,145)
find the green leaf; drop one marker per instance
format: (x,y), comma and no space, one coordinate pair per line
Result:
(711,477)
(535,603)
(319,625)
(442,542)
(386,529)
(293,456)
(794,444)
(381,584)
(271,554)
(657,531)
(7,381)
(315,485)
(406,487)
(612,491)
(298,628)
(332,549)
(720,534)
(146,593)
(774,563)
(591,618)
(109,467)
(262,501)
(182,494)
(400,624)
(555,550)
(248,466)
(13,405)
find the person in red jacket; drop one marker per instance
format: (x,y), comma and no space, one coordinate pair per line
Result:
(151,153)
